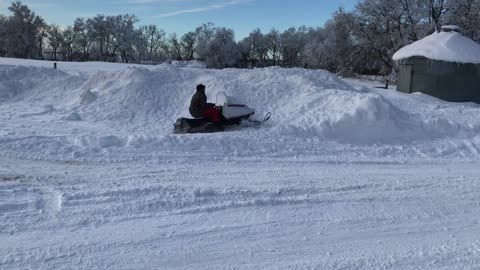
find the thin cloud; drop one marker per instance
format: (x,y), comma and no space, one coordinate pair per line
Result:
(146,2)
(201,9)
(41,5)
(155,1)
(34,5)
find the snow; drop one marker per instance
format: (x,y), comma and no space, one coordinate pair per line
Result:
(189,64)
(344,175)
(443,46)
(451,27)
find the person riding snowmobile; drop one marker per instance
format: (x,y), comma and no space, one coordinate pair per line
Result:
(200,108)
(210,118)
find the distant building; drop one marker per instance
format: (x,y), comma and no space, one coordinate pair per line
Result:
(444,65)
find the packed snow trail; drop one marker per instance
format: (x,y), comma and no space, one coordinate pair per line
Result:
(344,175)
(239,214)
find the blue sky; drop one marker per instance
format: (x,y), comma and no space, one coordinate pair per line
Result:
(182,16)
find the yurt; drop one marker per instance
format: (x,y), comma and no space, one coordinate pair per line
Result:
(445,64)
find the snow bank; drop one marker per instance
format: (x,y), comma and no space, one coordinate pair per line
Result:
(366,118)
(18,79)
(443,46)
(73,68)
(189,64)
(304,103)
(362,118)
(134,108)
(33,83)
(96,142)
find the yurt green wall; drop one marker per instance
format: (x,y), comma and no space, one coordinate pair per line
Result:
(446,80)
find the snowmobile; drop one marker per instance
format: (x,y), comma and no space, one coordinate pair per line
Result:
(232,115)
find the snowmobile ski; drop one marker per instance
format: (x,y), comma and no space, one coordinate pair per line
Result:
(253,123)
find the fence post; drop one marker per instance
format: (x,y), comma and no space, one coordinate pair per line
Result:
(55,65)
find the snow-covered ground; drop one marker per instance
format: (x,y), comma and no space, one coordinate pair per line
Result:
(344,176)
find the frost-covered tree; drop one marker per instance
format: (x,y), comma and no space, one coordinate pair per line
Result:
(175,48)
(69,38)
(249,46)
(377,26)
(412,23)
(222,50)
(124,36)
(315,52)
(154,42)
(244,49)
(205,35)
(188,44)
(22,32)
(54,39)
(466,14)
(437,9)
(99,29)
(3,34)
(272,40)
(262,50)
(82,42)
(293,46)
(254,49)
(359,41)
(338,51)
(327,50)
(41,39)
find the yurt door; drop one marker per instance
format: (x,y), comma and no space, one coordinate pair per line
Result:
(405,79)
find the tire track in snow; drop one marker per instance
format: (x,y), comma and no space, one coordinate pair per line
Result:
(49,201)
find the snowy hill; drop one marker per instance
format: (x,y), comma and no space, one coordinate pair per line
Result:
(344,176)
(138,105)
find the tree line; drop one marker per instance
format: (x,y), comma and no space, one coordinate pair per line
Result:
(361,41)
